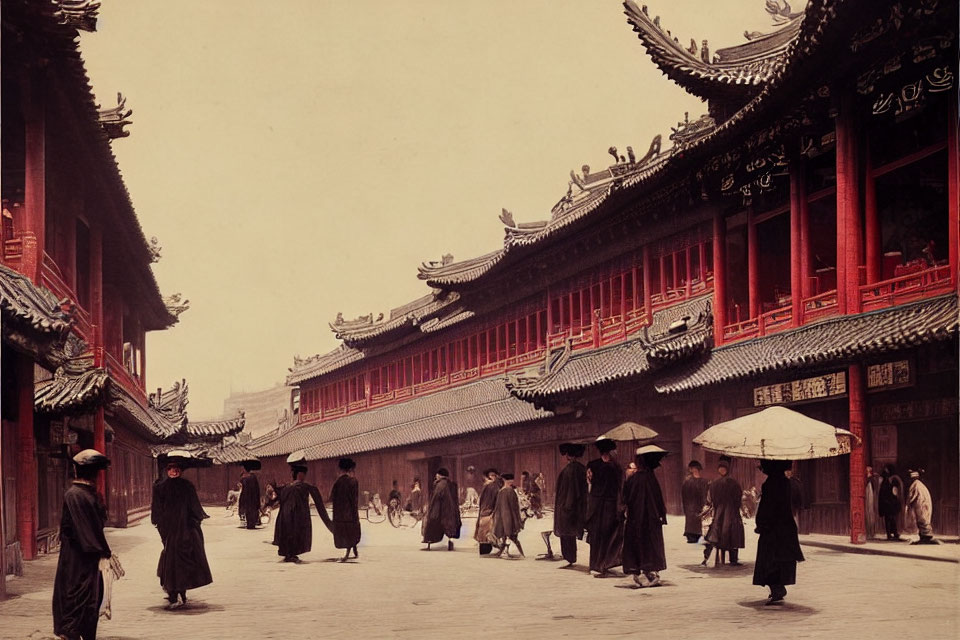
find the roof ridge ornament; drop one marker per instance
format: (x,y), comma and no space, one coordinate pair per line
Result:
(79,14)
(780,14)
(114,119)
(175,305)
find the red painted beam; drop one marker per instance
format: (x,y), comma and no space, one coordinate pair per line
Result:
(753,266)
(26,460)
(719,276)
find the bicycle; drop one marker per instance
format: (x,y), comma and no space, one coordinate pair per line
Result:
(395,513)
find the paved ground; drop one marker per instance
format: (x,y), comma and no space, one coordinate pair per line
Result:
(396,590)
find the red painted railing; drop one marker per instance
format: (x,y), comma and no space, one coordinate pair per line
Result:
(905,288)
(820,306)
(52,279)
(120,375)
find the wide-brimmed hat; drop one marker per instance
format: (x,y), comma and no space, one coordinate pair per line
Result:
(605,445)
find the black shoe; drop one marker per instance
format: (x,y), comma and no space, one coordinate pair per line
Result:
(449,545)
(735,564)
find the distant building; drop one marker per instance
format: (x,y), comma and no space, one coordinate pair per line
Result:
(265,410)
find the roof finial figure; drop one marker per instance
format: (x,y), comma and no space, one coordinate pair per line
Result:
(630,156)
(506,217)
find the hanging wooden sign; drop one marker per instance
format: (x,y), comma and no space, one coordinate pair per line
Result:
(807,389)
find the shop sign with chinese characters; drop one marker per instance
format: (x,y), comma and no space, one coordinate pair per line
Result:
(819,387)
(888,375)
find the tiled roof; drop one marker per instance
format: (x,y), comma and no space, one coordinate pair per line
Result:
(318,365)
(153,424)
(71,390)
(356,333)
(569,371)
(832,340)
(220,428)
(734,69)
(481,405)
(55,25)
(30,307)
(232,453)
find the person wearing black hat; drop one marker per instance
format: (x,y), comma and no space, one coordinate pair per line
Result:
(693,494)
(293,531)
(443,512)
(78,588)
(643,553)
(570,504)
(888,502)
(177,514)
(606,479)
(778,548)
(725,496)
(249,503)
(506,517)
(345,496)
(486,503)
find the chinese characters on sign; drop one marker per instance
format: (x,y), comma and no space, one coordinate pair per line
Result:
(825,386)
(889,374)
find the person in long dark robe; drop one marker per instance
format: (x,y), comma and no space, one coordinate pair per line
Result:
(249,503)
(293,531)
(693,494)
(177,514)
(570,505)
(345,496)
(415,503)
(486,503)
(506,517)
(888,504)
(443,512)
(78,587)
(725,496)
(606,479)
(643,553)
(778,548)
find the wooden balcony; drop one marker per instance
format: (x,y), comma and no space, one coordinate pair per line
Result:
(912,282)
(52,278)
(820,306)
(122,376)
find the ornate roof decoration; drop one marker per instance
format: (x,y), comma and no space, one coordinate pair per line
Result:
(686,131)
(171,403)
(155,249)
(731,71)
(32,308)
(831,341)
(318,365)
(73,388)
(217,428)
(364,329)
(175,305)
(79,14)
(114,119)
(478,406)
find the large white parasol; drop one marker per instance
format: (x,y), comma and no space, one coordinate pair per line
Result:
(777,433)
(629,431)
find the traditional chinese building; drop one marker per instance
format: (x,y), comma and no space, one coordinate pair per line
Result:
(796,245)
(78,291)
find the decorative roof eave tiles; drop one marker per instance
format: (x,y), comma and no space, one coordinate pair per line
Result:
(666,341)
(59,20)
(232,453)
(70,392)
(485,404)
(318,365)
(152,423)
(834,340)
(733,69)
(363,330)
(32,308)
(219,428)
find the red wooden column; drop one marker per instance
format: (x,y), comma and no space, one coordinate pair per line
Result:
(806,273)
(858,467)
(96,319)
(849,226)
(663,276)
(689,276)
(753,265)
(796,245)
(953,190)
(719,276)
(872,221)
(26,460)
(34,183)
(647,284)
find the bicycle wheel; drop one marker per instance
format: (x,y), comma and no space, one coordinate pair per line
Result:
(374,517)
(395,514)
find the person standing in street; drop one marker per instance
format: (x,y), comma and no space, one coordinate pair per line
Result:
(487,501)
(778,548)
(249,503)
(693,494)
(415,504)
(78,587)
(643,553)
(570,506)
(177,514)
(888,502)
(920,502)
(293,531)
(443,512)
(606,479)
(725,496)
(506,517)
(345,496)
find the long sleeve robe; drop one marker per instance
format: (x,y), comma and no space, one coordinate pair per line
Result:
(488,499)
(249,503)
(570,505)
(443,513)
(725,496)
(506,514)
(346,515)
(603,518)
(643,530)
(177,514)
(293,531)
(76,588)
(778,548)
(693,494)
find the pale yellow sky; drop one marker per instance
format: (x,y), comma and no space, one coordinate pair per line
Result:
(298,158)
